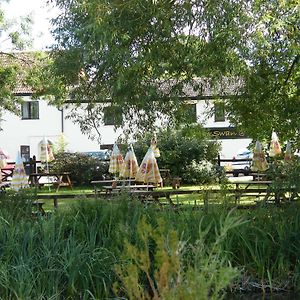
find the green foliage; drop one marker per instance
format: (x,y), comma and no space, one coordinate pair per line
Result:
(14,67)
(285,176)
(16,205)
(155,268)
(142,55)
(200,172)
(269,99)
(82,252)
(83,168)
(183,150)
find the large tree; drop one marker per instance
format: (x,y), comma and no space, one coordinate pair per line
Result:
(14,65)
(141,55)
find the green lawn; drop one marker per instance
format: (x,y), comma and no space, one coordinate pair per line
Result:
(186,199)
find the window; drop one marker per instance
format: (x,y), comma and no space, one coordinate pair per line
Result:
(219,111)
(112,115)
(187,113)
(30,110)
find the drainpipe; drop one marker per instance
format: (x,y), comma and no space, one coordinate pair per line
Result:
(62,119)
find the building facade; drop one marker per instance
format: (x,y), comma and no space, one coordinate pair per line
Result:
(38,120)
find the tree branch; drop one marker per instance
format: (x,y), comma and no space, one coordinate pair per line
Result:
(18,56)
(295,61)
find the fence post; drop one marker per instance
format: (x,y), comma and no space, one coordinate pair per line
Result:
(34,169)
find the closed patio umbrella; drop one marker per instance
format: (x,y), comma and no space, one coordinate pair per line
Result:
(259,162)
(19,178)
(288,156)
(130,164)
(46,153)
(116,161)
(148,171)
(275,148)
(3,158)
(154,147)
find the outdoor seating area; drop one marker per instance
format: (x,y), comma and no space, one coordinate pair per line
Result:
(146,181)
(61,179)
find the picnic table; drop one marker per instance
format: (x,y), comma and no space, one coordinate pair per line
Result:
(137,187)
(7,172)
(61,179)
(99,184)
(251,187)
(3,186)
(263,187)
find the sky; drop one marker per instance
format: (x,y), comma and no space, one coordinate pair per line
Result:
(41,15)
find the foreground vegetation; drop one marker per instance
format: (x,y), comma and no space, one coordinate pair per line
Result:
(97,250)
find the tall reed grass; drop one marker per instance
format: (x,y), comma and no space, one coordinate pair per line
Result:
(83,252)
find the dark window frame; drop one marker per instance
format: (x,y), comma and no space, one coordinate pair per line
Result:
(219,112)
(188,113)
(112,116)
(33,110)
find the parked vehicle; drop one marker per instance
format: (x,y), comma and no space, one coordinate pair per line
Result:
(242,162)
(101,154)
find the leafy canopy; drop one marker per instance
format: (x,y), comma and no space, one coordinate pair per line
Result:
(14,66)
(141,54)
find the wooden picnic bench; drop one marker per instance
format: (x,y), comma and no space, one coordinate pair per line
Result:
(7,172)
(39,207)
(62,179)
(4,185)
(141,187)
(99,184)
(255,188)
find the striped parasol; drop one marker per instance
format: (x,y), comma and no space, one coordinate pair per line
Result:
(130,164)
(148,171)
(3,158)
(154,146)
(288,156)
(116,161)
(19,178)
(46,154)
(259,162)
(275,148)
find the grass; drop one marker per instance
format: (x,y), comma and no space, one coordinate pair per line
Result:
(82,250)
(186,199)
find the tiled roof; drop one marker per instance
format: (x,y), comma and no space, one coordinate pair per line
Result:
(196,89)
(203,87)
(23,59)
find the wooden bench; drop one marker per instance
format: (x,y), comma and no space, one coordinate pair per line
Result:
(39,207)
(176,182)
(62,179)
(4,185)
(99,184)
(128,188)
(260,194)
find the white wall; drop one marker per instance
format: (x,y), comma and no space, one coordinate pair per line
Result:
(17,132)
(78,142)
(229,146)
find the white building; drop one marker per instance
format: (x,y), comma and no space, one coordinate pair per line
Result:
(38,120)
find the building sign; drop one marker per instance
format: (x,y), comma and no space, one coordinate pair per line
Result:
(226,133)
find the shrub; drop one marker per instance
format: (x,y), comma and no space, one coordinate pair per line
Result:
(200,172)
(181,150)
(285,176)
(83,168)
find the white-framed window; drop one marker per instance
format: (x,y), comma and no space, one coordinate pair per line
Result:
(30,110)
